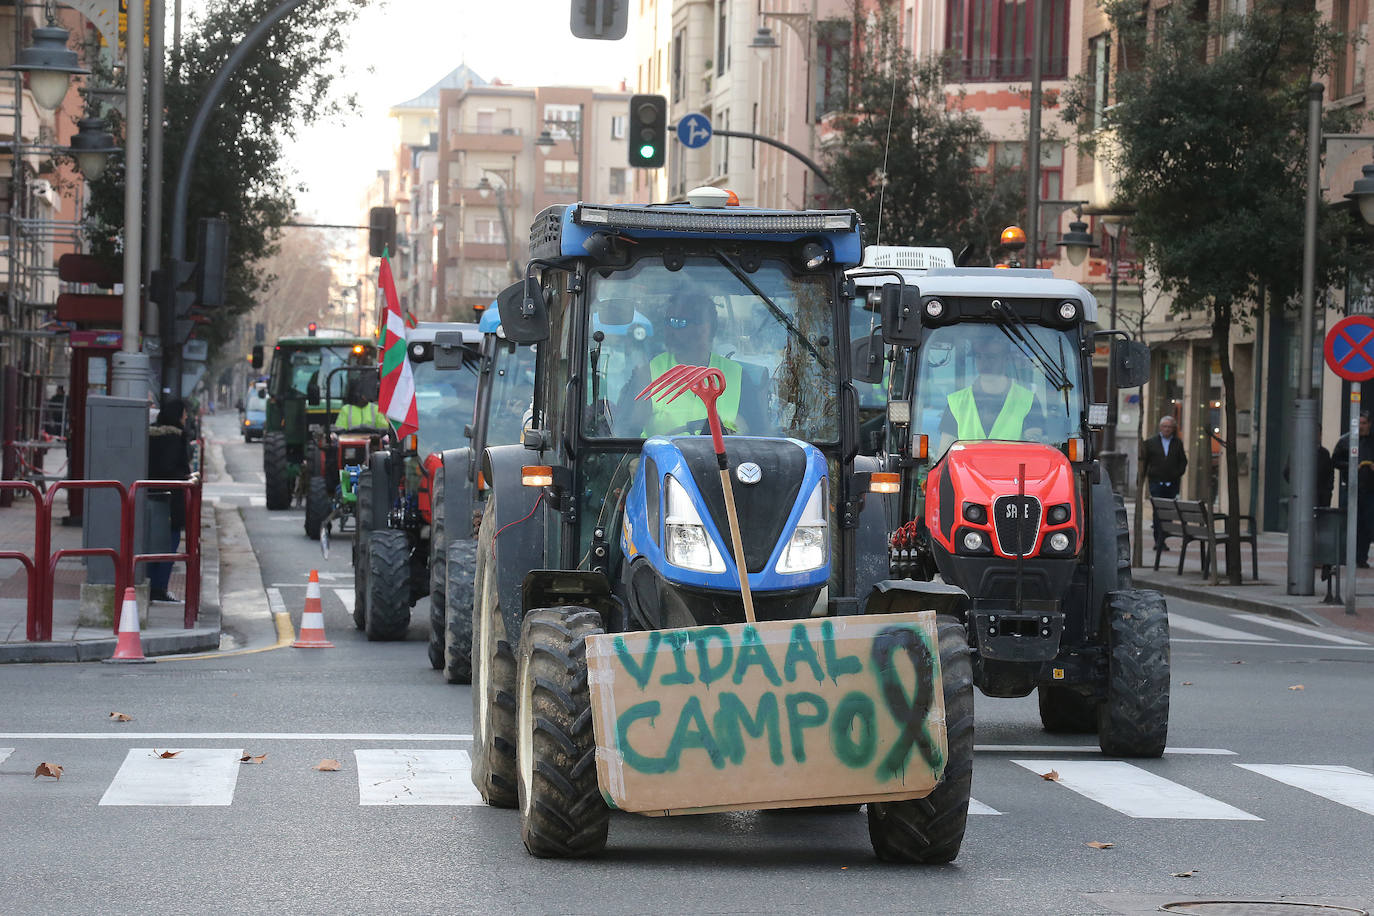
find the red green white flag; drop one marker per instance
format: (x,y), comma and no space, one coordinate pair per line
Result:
(398,382)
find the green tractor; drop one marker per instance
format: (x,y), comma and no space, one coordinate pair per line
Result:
(296,409)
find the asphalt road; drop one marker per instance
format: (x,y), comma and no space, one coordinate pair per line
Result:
(1246,802)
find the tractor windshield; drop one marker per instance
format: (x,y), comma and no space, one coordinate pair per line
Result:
(974,382)
(767,330)
(512,392)
(443,402)
(313,364)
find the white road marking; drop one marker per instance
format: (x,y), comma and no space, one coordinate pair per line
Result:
(1275,645)
(1203,628)
(346,596)
(1342,785)
(262,478)
(977,807)
(257,501)
(195,777)
(1135,792)
(229,736)
(1308,631)
(5,753)
(1092,749)
(278,517)
(390,776)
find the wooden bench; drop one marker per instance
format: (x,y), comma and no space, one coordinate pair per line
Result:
(1209,530)
(1170,525)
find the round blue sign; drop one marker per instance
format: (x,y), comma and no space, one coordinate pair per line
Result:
(1350,348)
(694,130)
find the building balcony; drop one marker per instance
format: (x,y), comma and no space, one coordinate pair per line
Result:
(1002,69)
(471,197)
(485,250)
(507,140)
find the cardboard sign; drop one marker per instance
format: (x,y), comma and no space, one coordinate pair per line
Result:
(775,714)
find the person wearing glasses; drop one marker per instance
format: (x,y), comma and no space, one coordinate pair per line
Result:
(995,406)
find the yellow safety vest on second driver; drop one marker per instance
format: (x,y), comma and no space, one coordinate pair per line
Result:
(1011,419)
(688,408)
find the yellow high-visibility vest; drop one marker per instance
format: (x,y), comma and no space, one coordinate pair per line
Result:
(688,408)
(352,416)
(1011,419)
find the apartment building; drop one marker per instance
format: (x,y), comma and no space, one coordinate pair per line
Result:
(504,154)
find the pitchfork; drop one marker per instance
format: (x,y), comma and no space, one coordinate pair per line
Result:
(707,384)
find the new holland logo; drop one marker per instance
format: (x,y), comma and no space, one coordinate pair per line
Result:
(749,472)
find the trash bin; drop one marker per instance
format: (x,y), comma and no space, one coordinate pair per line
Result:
(1329,527)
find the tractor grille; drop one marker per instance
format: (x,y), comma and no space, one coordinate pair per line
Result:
(1017,521)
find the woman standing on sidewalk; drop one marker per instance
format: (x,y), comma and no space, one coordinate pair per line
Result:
(169,458)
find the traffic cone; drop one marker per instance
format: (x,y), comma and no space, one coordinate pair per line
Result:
(129,648)
(312,621)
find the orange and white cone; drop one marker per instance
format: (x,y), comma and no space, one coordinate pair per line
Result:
(312,621)
(129,647)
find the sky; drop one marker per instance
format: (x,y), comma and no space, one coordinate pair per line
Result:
(408,46)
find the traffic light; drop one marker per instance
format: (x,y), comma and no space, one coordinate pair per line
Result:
(212,255)
(174,302)
(381,231)
(648,131)
(311,328)
(606,20)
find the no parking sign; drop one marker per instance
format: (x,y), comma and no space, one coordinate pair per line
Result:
(1350,348)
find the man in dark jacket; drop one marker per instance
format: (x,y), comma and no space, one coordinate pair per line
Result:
(1164,465)
(1364,500)
(169,458)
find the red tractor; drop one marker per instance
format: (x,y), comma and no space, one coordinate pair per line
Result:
(1005,496)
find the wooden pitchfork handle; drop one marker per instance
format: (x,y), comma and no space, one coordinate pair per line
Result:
(708,384)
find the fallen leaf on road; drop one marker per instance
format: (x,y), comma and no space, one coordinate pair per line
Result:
(1051,776)
(252,758)
(1297,687)
(1096,845)
(1238,661)
(48,769)
(166,755)
(120,717)
(328,765)
(1184,874)
(1187,683)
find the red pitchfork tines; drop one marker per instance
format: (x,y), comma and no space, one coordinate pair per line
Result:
(703,381)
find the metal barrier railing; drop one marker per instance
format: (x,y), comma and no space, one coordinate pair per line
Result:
(41,565)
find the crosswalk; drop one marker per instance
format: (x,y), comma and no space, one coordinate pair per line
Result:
(1009,786)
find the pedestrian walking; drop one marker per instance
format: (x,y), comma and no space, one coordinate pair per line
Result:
(1164,464)
(169,458)
(1364,501)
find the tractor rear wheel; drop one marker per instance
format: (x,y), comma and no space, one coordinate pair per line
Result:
(493,685)
(1133,721)
(388,588)
(1064,711)
(930,830)
(438,575)
(363,493)
(562,814)
(276,471)
(459,567)
(316,507)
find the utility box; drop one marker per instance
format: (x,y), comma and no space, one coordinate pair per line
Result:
(116,449)
(1329,533)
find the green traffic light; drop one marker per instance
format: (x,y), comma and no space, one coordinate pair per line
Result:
(646,151)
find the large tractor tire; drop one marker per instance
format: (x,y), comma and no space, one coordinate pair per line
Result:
(1133,720)
(493,686)
(276,471)
(438,574)
(1064,711)
(363,491)
(930,830)
(562,814)
(1124,577)
(316,507)
(388,590)
(459,569)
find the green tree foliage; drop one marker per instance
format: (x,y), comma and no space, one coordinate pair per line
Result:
(1207,132)
(238,174)
(904,141)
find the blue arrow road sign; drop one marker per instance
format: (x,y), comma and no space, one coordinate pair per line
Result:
(694,130)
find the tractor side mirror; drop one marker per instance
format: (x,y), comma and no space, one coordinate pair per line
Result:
(866,359)
(900,306)
(524,314)
(256,359)
(1130,363)
(448,350)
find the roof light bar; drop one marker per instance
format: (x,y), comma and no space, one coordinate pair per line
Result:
(679,220)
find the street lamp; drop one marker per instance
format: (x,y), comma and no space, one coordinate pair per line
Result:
(804,25)
(92,147)
(1363,194)
(484,189)
(547,141)
(50,65)
(1077,242)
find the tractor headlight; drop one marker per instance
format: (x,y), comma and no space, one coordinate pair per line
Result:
(1059,514)
(809,546)
(970,540)
(973,541)
(1059,542)
(686,543)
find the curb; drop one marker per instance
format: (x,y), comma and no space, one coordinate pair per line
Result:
(94,650)
(1234,602)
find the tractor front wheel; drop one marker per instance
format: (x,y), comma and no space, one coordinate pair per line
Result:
(493,685)
(1133,721)
(562,814)
(388,588)
(1063,711)
(458,569)
(930,830)
(316,507)
(276,471)
(363,495)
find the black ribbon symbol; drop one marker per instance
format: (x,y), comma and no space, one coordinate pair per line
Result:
(911,712)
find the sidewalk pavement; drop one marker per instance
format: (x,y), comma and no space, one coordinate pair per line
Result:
(1267,595)
(163,630)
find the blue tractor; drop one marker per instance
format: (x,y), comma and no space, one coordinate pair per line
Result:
(610,516)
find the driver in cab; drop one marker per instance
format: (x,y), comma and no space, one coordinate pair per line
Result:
(995,406)
(360,410)
(690,331)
